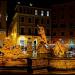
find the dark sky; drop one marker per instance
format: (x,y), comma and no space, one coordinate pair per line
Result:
(36,3)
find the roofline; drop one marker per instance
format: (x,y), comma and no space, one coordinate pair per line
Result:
(32,7)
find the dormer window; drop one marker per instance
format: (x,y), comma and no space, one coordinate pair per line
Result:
(36,12)
(42,13)
(47,13)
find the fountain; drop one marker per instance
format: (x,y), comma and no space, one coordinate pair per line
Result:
(61,61)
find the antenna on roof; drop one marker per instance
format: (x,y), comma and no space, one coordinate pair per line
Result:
(18,2)
(30,4)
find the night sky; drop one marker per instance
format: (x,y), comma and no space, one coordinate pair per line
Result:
(36,3)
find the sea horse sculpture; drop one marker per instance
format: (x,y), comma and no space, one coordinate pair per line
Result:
(59,49)
(42,46)
(41,32)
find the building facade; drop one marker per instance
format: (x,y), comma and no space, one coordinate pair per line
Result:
(63,21)
(23,28)
(3,18)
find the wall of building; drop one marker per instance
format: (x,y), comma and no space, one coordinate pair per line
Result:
(3,15)
(27,20)
(63,21)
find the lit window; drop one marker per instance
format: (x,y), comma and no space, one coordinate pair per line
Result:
(36,12)
(47,13)
(42,13)
(21,42)
(6,17)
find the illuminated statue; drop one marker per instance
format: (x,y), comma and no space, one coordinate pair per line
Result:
(59,49)
(42,46)
(11,51)
(41,32)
